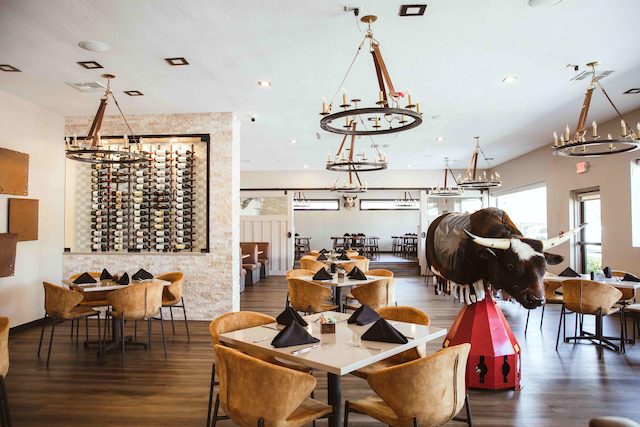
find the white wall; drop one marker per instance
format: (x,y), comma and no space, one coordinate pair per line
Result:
(31,129)
(611,173)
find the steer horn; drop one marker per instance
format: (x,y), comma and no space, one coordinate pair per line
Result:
(490,242)
(555,241)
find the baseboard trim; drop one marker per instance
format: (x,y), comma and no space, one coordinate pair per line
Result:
(25,326)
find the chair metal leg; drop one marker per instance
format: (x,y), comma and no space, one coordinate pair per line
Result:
(215,411)
(172,325)
(44,322)
(77,331)
(415,422)
(164,342)
(73,322)
(467,407)
(135,330)
(99,338)
(542,316)
(346,413)
(526,325)
(6,415)
(559,326)
(122,338)
(86,328)
(53,328)
(149,334)
(186,323)
(599,334)
(261,422)
(213,383)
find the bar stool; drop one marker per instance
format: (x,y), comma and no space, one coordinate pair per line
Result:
(371,247)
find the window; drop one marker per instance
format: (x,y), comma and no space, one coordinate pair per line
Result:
(386,205)
(527,208)
(590,239)
(635,203)
(469,205)
(254,206)
(318,205)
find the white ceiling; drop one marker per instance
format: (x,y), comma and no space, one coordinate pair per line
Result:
(453,59)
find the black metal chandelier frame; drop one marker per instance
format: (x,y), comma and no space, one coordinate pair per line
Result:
(474,181)
(447,191)
(340,163)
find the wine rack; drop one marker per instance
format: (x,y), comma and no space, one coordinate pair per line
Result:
(152,206)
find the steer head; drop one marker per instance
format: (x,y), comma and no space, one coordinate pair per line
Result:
(517,264)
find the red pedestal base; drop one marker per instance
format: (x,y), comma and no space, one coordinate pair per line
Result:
(494,360)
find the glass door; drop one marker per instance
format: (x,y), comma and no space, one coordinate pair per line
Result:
(590,239)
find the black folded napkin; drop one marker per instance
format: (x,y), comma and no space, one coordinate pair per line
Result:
(382,331)
(363,315)
(630,278)
(288,316)
(297,235)
(356,274)
(607,272)
(124,280)
(343,257)
(84,278)
(322,257)
(322,274)
(569,272)
(142,274)
(323,251)
(105,275)
(294,334)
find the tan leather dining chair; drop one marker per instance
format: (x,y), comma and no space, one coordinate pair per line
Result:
(254,392)
(591,298)
(298,272)
(398,314)
(552,295)
(61,304)
(141,301)
(381,272)
(5,415)
(172,297)
(374,294)
(236,321)
(309,297)
(351,253)
(362,264)
(428,391)
(311,264)
(314,254)
(90,299)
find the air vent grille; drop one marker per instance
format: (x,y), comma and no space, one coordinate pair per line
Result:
(587,74)
(87,87)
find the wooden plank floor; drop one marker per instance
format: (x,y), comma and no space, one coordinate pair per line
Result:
(566,388)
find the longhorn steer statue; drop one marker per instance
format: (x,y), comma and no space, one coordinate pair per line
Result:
(469,251)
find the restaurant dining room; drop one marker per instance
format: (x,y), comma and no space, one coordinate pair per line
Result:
(295,212)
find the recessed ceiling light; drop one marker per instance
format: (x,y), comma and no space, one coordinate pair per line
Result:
(409,165)
(293,141)
(509,79)
(176,61)
(412,9)
(440,139)
(9,68)
(90,65)
(629,92)
(134,93)
(94,46)
(543,3)
(264,83)
(306,166)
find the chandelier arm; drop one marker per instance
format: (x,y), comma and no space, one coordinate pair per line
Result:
(353,61)
(352,147)
(97,120)
(584,112)
(453,176)
(380,60)
(373,144)
(445,177)
(342,145)
(124,118)
(376,64)
(631,132)
(358,178)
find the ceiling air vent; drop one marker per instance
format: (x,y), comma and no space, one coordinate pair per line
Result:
(87,87)
(586,74)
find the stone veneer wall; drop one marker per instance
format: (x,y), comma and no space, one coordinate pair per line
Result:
(211,280)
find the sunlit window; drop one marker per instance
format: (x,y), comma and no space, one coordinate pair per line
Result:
(635,202)
(527,208)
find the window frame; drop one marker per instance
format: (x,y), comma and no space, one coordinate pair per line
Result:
(397,208)
(301,209)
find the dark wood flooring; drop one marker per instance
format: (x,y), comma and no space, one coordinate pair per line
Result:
(566,388)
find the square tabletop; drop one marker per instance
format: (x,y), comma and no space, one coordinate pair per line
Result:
(616,282)
(339,353)
(346,282)
(108,285)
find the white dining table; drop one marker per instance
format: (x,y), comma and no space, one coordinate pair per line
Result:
(108,285)
(613,281)
(338,284)
(337,354)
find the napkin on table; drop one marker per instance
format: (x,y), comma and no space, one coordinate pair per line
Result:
(363,316)
(323,251)
(607,272)
(142,274)
(322,274)
(288,316)
(322,257)
(357,274)
(382,331)
(630,278)
(105,275)
(569,272)
(84,278)
(124,280)
(343,257)
(294,334)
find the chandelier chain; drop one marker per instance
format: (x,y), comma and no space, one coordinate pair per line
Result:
(353,61)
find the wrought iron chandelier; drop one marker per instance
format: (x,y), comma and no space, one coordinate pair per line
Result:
(354,162)
(350,187)
(386,117)
(92,149)
(300,200)
(473,180)
(445,190)
(581,145)
(406,200)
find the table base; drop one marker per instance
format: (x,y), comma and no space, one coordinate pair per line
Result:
(334,388)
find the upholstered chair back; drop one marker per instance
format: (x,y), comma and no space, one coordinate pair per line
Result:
(307,296)
(59,301)
(430,388)
(381,272)
(362,264)
(235,321)
(4,346)
(251,389)
(297,272)
(314,254)
(153,299)
(173,292)
(311,264)
(250,249)
(589,297)
(130,300)
(406,314)
(374,294)
(627,294)
(264,247)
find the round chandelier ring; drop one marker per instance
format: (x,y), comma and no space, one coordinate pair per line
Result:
(348,166)
(578,149)
(349,190)
(96,156)
(325,122)
(450,192)
(479,184)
